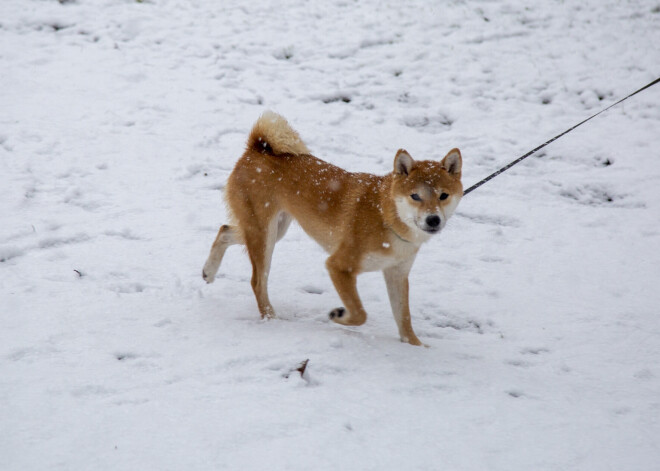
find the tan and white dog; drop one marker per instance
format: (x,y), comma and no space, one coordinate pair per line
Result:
(365,222)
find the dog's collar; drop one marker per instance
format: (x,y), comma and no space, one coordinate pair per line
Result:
(398,236)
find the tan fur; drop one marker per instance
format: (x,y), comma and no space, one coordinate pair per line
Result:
(365,222)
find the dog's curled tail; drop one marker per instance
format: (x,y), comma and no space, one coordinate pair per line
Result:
(272,134)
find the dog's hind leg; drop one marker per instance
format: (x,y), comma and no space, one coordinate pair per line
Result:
(226,236)
(260,243)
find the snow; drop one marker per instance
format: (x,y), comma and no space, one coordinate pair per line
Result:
(119,124)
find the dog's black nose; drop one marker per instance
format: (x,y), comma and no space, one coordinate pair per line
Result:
(433,220)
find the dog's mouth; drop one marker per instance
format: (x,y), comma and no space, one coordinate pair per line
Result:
(431,230)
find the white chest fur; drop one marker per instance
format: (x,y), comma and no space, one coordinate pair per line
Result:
(397,252)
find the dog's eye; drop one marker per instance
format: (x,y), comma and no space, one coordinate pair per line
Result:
(444,196)
(416,197)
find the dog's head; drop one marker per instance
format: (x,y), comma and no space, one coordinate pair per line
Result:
(426,192)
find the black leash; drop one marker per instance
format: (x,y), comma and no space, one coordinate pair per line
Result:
(520,159)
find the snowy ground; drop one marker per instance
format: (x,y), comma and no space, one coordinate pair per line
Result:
(119,124)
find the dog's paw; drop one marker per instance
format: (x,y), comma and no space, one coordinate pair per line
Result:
(413,340)
(268,313)
(207,278)
(337,314)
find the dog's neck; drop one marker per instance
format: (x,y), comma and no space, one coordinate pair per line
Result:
(398,236)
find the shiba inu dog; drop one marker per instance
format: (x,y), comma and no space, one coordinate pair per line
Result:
(365,222)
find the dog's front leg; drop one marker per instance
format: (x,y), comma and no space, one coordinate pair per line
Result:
(396,279)
(344,279)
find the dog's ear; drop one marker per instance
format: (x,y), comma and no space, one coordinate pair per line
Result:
(403,163)
(453,162)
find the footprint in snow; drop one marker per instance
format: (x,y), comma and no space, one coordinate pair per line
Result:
(124,356)
(519,363)
(534,351)
(312,289)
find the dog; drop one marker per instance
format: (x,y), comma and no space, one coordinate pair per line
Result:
(365,222)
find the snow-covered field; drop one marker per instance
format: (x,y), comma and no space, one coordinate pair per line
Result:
(119,124)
